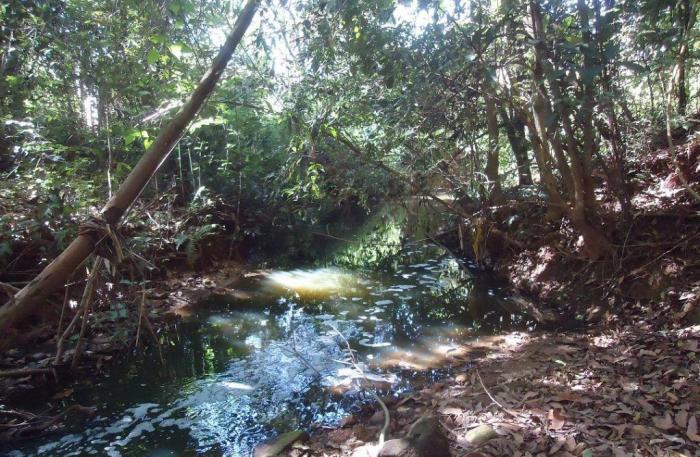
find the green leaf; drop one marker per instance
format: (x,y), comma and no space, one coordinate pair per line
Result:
(153,56)
(131,136)
(218,120)
(180,240)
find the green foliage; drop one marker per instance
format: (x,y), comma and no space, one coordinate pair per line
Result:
(85,85)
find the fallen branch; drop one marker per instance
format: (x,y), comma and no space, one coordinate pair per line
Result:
(493,399)
(87,301)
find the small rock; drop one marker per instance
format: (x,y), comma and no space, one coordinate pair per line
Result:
(479,435)
(424,439)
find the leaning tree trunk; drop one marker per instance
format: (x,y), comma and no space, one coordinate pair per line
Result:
(57,272)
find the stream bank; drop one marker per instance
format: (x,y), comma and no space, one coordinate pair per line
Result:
(628,391)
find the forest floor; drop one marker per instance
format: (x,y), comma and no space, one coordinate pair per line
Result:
(633,391)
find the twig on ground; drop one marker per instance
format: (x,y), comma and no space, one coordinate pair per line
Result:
(493,399)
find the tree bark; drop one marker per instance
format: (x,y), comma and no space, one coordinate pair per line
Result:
(685,13)
(58,271)
(492,159)
(583,206)
(515,130)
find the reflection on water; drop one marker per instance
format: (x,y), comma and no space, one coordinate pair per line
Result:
(245,368)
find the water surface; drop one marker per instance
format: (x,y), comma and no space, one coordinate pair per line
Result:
(273,358)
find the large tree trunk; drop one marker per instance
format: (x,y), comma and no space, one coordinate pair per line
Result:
(583,207)
(58,271)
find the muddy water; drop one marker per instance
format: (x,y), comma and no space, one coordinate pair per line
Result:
(242,369)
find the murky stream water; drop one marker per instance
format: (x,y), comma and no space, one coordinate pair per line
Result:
(243,369)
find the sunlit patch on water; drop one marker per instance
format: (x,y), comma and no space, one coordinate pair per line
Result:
(316,283)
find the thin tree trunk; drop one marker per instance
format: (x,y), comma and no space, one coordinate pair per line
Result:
(515,130)
(58,271)
(617,178)
(686,19)
(491,169)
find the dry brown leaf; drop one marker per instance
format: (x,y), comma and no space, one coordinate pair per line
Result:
(556,419)
(570,444)
(558,444)
(689,345)
(641,430)
(619,451)
(451,411)
(682,418)
(648,407)
(692,431)
(63,394)
(572,397)
(664,423)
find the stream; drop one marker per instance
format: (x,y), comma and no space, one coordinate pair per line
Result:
(273,358)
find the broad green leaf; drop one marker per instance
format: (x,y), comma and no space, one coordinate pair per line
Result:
(153,56)
(131,136)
